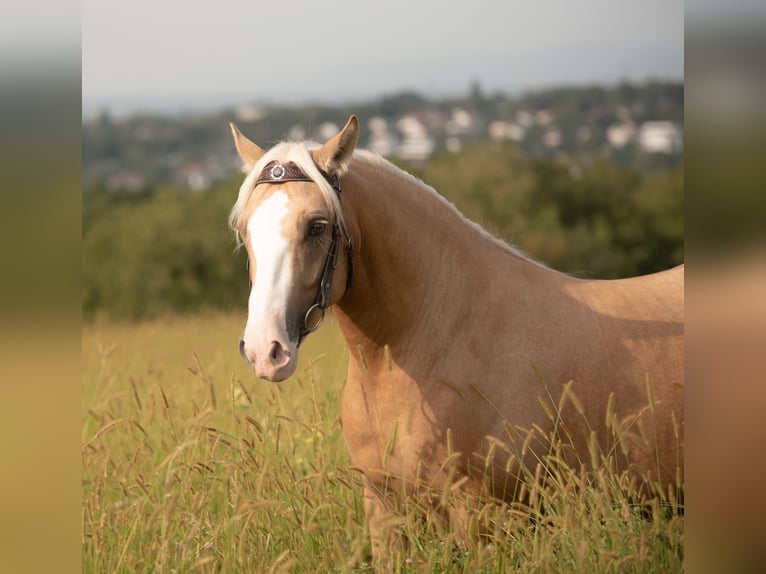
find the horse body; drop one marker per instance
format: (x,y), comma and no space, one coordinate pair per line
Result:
(449,329)
(458,341)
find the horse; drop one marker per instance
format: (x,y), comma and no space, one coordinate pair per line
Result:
(457,340)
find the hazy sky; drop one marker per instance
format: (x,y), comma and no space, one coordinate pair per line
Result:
(189,53)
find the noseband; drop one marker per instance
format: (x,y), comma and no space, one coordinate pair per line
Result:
(276,172)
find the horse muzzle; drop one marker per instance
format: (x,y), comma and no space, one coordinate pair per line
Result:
(274,361)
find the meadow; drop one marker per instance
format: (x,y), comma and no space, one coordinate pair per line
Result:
(192,464)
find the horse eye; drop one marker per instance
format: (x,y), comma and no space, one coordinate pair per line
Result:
(316,228)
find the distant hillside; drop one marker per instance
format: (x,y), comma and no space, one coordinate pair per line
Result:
(638,125)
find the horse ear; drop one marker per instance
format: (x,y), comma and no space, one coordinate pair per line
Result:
(248,151)
(335,155)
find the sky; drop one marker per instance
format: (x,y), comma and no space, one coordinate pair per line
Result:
(189,54)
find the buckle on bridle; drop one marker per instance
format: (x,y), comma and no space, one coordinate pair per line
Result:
(277,172)
(310,326)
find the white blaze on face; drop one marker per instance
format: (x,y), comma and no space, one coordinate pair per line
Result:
(270,250)
(267,305)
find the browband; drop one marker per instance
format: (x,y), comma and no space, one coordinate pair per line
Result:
(276,172)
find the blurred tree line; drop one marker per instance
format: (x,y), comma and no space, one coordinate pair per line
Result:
(162,250)
(587,217)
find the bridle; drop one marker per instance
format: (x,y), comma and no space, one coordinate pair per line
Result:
(276,172)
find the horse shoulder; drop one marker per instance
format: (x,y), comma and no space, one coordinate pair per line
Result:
(388,425)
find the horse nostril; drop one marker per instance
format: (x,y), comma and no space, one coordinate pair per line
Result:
(278,354)
(242,351)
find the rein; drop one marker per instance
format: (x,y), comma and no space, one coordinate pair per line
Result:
(276,172)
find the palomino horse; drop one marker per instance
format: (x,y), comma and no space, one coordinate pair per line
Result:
(456,340)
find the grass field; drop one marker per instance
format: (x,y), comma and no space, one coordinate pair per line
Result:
(191,464)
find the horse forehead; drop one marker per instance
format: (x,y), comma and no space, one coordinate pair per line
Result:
(265,218)
(301,196)
(279,208)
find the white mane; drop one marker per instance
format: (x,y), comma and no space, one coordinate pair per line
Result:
(382,162)
(300,154)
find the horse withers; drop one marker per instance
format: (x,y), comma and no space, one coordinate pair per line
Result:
(457,340)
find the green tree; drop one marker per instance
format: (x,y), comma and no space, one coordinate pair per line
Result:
(170,252)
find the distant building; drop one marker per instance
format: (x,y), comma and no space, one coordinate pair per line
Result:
(461,126)
(620,134)
(543,117)
(250,113)
(461,122)
(552,138)
(326,130)
(125,181)
(416,144)
(195,176)
(660,137)
(504,130)
(525,119)
(382,139)
(296,133)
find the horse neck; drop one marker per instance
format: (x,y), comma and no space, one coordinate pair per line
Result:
(417,261)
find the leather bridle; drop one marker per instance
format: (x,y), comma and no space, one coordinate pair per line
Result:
(276,172)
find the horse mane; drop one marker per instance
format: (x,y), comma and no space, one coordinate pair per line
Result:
(379,161)
(298,153)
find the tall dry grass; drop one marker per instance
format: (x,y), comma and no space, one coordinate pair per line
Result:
(191,464)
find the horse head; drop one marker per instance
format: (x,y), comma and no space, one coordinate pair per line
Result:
(289,219)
